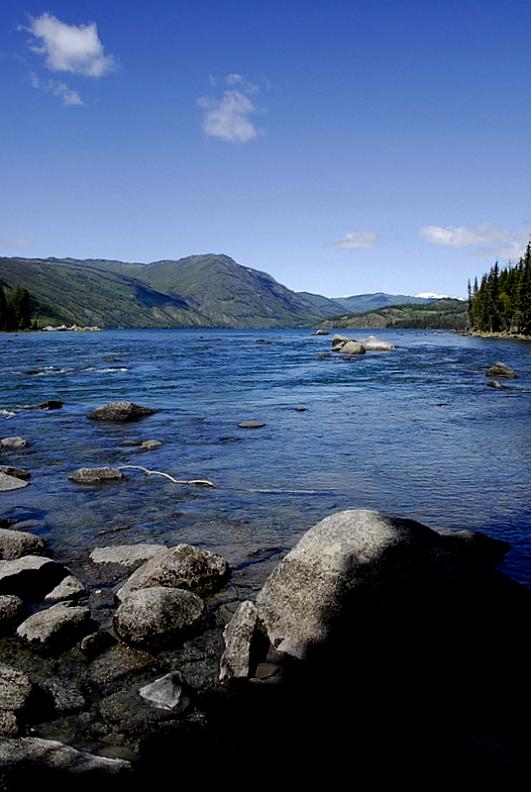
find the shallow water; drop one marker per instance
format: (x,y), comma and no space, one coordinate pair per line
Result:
(415,432)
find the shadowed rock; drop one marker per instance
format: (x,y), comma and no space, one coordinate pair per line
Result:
(20,473)
(26,758)
(11,610)
(55,628)
(30,576)
(156,615)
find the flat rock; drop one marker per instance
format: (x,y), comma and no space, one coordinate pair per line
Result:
(251,424)
(120,411)
(183,567)
(13,443)
(149,445)
(15,689)
(14,544)
(238,636)
(70,588)
(20,473)
(9,483)
(128,556)
(352,348)
(374,344)
(501,370)
(30,575)
(156,615)
(57,627)
(166,692)
(96,475)
(11,610)
(28,754)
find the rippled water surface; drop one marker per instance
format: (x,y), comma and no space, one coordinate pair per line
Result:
(415,432)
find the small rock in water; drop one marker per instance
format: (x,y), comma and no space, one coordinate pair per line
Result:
(15,544)
(495,384)
(57,627)
(501,370)
(70,588)
(13,443)
(263,341)
(150,445)
(95,475)
(155,615)
(325,356)
(120,411)
(165,693)
(128,556)
(9,483)
(300,408)
(251,424)
(322,332)
(51,404)
(19,473)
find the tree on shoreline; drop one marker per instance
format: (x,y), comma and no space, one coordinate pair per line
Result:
(15,310)
(502,301)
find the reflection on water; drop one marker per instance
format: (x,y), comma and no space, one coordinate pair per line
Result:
(415,432)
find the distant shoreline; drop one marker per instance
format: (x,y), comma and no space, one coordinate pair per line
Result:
(486,334)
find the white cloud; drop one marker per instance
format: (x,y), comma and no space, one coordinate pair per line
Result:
(70,48)
(357,239)
(228,118)
(18,242)
(57,88)
(493,241)
(461,236)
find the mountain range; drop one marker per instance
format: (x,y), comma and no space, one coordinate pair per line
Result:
(205,291)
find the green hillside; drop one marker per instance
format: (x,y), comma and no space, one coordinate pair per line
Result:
(444,314)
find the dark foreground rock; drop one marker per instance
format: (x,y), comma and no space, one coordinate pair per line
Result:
(183,566)
(156,615)
(30,576)
(14,544)
(11,610)
(29,757)
(501,370)
(120,411)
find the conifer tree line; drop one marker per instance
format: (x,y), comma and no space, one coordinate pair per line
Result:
(501,302)
(15,310)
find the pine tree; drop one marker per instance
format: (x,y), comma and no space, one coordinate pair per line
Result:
(3,310)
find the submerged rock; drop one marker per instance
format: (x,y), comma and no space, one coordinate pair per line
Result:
(57,627)
(183,567)
(251,424)
(128,556)
(120,411)
(501,370)
(166,693)
(14,544)
(96,475)
(13,443)
(9,483)
(51,404)
(495,384)
(155,615)
(70,588)
(30,576)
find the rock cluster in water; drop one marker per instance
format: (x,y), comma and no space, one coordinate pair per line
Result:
(351,346)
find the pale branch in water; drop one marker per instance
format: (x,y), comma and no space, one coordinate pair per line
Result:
(192,482)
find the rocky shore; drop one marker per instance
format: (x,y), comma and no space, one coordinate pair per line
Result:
(374,636)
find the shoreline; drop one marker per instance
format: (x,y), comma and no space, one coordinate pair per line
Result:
(500,335)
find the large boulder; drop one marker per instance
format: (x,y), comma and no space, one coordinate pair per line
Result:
(352,561)
(182,566)
(58,627)
(14,544)
(9,483)
(156,615)
(30,576)
(120,411)
(352,348)
(128,556)
(501,370)
(374,344)
(96,475)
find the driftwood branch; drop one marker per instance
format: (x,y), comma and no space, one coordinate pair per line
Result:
(192,482)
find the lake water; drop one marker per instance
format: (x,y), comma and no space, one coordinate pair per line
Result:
(415,433)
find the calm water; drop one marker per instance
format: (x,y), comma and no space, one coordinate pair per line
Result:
(415,433)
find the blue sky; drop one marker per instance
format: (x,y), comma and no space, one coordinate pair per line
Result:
(343,147)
